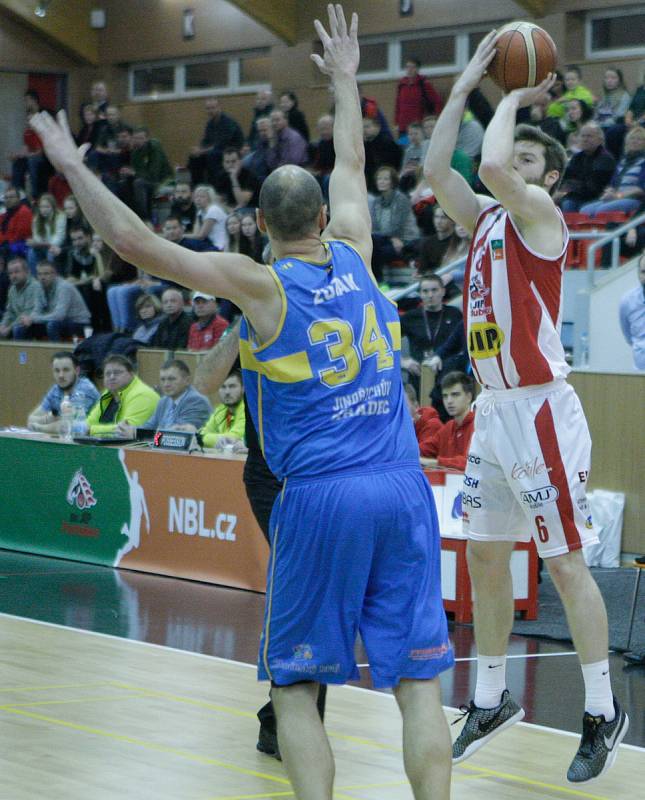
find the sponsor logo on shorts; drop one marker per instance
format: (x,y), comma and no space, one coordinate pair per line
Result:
(589,522)
(536,498)
(530,468)
(473,459)
(583,504)
(470,481)
(303,651)
(485,340)
(583,475)
(429,653)
(471,500)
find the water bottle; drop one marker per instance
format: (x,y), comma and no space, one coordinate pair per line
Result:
(583,361)
(79,426)
(66,417)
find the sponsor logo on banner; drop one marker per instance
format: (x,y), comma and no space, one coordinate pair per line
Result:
(529,469)
(536,498)
(188,516)
(485,340)
(79,492)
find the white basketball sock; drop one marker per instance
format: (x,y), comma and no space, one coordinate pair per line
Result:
(491,681)
(598,696)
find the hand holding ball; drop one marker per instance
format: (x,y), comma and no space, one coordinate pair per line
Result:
(525,54)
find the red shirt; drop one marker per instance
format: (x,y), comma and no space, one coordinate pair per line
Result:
(413,103)
(204,338)
(32,140)
(426,426)
(450,445)
(19,226)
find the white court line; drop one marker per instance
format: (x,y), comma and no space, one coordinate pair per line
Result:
(373,692)
(515,655)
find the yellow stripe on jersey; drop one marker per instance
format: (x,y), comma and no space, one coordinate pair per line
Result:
(285,369)
(395,332)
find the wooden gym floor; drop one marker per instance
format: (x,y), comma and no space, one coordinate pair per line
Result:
(112,688)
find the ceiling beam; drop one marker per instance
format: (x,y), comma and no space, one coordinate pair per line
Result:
(66,24)
(279,16)
(536,8)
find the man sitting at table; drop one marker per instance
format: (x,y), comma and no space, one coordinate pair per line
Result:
(126,398)
(427,422)
(68,385)
(182,407)
(227,422)
(449,447)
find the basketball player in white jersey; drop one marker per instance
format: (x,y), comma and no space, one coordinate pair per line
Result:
(530,454)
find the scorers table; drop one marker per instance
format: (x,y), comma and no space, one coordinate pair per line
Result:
(183,515)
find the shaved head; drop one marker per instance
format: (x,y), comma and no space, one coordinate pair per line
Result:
(290,200)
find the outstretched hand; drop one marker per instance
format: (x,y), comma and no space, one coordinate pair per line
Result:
(531,94)
(471,77)
(340,50)
(57,139)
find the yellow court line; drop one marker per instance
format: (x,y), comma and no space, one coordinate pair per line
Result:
(119,737)
(484,773)
(69,701)
(53,686)
(252,796)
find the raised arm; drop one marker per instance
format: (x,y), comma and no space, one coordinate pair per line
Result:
(452,191)
(350,216)
(233,276)
(530,205)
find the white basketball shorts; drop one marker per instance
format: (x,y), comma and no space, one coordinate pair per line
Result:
(527,469)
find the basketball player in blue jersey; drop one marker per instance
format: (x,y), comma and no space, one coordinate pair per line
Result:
(354,535)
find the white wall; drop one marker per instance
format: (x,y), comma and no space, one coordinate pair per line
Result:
(13,85)
(608,350)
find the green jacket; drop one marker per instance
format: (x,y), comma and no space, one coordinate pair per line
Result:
(558,108)
(151,163)
(137,402)
(216,426)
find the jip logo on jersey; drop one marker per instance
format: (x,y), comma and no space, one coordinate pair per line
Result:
(485,339)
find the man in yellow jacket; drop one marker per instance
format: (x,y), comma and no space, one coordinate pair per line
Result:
(126,398)
(226,424)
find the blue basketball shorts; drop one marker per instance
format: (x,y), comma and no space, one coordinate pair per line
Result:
(355,551)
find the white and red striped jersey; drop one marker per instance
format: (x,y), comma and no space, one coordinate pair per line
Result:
(512,306)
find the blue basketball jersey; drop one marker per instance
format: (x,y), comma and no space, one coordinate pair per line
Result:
(325,392)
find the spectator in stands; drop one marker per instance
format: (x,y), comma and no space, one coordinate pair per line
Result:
(256,161)
(91,126)
(577,114)
(182,205)
(22,299)
(73,219)
(149,169)
(234,230)
(252,242)
(627,188)
(208,328)
(227,423)
(127,283)
(322,155)
(370,108)
(614,101)
(117,170)
(30,160)
(84,269)
(394,227)
(60,309)
(172,333)
(537,116)
(210,220)
(588,172)
(295,118)
(415,97)
(632,317)
(68,385)
(181,408)
(635,114)
(148,310)
(262,107)
(413,156)
(380,151)
(126,398)
(100,98)
(221,131)
(573,90)
(432,249)
(449,446)
(436,336)
(48,228)
(470,136)
(173,231)
(286,146)
(426,419)
(235,184)
(15,225)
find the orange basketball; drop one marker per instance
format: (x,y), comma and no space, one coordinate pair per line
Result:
(525,56)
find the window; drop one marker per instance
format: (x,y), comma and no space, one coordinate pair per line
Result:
(621,34)
(374,57)
(431,51)
(227,73)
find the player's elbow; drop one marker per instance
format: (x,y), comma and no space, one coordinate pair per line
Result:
(491,171)
(128,245)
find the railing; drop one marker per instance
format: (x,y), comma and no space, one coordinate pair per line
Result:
(405,291)
(613,238)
